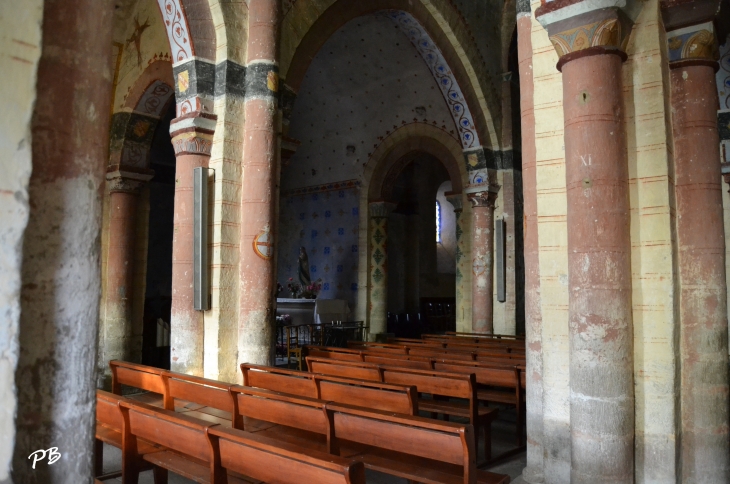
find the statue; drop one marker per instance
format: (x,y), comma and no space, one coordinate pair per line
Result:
(303,270)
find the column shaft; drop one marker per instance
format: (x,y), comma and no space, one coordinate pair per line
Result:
(378,274)
(61,280)
(258,190)
(120,277)
(600,318)
(533,473)
(705,451)
(186,325)
(482,249)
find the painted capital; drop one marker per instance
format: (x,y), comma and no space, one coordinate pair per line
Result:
(588,27)
(381,209)
(692,44)
(192,134)
(127,181)
(483,199)
(456,200)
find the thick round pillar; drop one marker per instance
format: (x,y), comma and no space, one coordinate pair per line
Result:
(599,265)
(705,451)
(259,186)
(61,280)
(482,250)
(533,472)
(378,283)
(192,138)
(117,340)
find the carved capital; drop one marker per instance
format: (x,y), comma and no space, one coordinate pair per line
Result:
(381,209)
(192,134)
(127,181)
(483,199)
(456,200)
(588,27)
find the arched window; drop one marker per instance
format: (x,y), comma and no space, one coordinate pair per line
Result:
(438,222)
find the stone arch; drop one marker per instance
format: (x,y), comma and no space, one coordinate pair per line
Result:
(300,43)
(190,29)
(133,128)
(390,158)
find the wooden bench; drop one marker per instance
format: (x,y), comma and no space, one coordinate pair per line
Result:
(405,361)
(413,448)
(440,385)
(346,354)
(504,385)
(371,394)
(208,453)
(109,430)
(141,377)
(380,347)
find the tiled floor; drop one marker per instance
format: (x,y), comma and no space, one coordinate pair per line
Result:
(503,439)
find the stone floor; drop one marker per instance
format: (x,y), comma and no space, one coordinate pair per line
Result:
(503,439)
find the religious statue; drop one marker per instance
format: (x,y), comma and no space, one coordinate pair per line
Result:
(303,270)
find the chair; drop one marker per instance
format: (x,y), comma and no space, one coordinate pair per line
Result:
(291,339)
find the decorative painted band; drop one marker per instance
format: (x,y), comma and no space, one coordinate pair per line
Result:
(262,81)
(341,185)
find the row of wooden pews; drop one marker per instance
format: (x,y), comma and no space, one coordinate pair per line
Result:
(280,426)
(497,364)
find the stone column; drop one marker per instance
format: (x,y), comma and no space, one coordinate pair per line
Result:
(412,264)
(259,181)
(61,280)
(192,138)
(378,230)
(457,201)
(705,450)
(482,250)
(118,335)
(533,472)
(589,41)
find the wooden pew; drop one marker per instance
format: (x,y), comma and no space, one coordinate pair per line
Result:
(381,347)
(280,463)
(413,448)
(371,394)
(440,385)
(485,335)
(208,453)
(508,382)
(346,354)
(109,429)
(142,377)
(405,361)
(198,397)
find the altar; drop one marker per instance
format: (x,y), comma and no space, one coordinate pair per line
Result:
(300,310)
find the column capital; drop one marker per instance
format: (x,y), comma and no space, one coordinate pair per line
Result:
(456,200)
(127,181)
(588,27)
(192,133)
(691,35)
(381,209)
(483,199)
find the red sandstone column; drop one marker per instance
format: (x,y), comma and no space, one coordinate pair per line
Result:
(705,449)
(533,472)
(192,138)
(482,250)
(61,280)
(118,332)
(258,190)
(599,245)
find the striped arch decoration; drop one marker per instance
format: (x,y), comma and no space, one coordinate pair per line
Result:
(446,80)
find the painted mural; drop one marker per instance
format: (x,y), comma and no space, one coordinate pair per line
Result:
(325,220)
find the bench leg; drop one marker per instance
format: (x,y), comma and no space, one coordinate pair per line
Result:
(98,457)
(520,426)
(160,475)
(487,427)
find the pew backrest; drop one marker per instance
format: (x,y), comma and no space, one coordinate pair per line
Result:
(279,379)
(405,361)
(375,395)
(278,462)
(107,410)
(345,354)
(210,393)
(138,376)
(346,369)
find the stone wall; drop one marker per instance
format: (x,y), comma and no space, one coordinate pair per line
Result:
(20,38)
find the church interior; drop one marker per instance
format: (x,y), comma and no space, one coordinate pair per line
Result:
(349,241)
